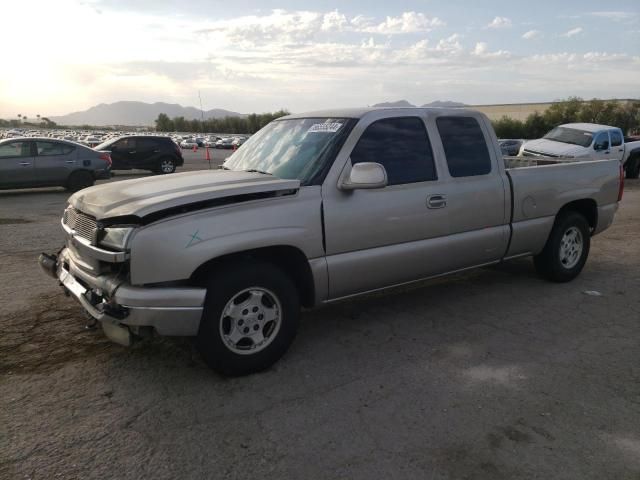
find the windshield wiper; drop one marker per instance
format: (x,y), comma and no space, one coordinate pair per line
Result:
(222,167)
(254,170)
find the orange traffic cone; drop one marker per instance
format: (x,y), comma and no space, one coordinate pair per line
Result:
(195,147)
(208,155)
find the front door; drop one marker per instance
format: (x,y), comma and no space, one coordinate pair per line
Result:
(122,153)
(602,146)
(376,238)
(17,164)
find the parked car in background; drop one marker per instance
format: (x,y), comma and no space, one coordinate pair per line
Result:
(188,143)
(510,147)
(238,141)
(45,162)
(357,201)
(144,152)
(226,142)
(211,141)
(589,141)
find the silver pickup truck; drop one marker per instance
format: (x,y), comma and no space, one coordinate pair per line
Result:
(315,208)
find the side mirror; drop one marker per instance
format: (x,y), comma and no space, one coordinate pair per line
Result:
(365,175)
(601,146)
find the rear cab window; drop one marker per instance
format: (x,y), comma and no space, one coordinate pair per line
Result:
(401,145)
(465,146)
(616,138)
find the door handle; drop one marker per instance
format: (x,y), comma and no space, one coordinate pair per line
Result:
(133,151)
(25,164)
(436,201)
(607,152)
(70,161)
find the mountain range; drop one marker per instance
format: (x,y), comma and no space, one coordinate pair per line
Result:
(437,103)
(144,114)
(137,114)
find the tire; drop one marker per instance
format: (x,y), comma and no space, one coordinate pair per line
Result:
(632,169)
(79,180)
(237,318)
(166,165)
(566,250)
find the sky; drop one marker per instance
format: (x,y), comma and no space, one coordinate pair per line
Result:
(257,56)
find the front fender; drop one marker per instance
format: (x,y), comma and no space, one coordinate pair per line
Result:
(172,249)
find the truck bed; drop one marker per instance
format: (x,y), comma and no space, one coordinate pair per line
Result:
(540,184)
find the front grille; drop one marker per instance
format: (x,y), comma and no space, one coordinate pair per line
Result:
(84,225)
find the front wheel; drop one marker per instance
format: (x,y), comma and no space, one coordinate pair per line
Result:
(250,318)
(566,250)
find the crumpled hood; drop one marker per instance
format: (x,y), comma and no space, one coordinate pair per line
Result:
(141,197)
(550,147)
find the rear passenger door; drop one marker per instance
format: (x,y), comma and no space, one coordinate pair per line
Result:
(617,148)
(17,164)
(54,162)
(475,189)
(376,238)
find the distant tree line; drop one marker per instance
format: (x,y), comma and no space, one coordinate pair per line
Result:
(249,124)
(23,121)
(625,116)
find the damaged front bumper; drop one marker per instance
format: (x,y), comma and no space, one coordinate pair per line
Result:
(125,310)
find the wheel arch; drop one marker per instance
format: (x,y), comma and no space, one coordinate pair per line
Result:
(290,259)
(587,207)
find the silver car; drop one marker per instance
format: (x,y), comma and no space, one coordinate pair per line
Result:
(45,162)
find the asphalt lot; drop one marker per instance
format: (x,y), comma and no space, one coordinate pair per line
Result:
(492,374)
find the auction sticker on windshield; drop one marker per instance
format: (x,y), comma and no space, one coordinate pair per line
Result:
(324,128)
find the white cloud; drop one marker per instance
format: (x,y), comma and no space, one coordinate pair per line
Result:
(450,44)
(531,34)
(408,22)
(614,15)
(333,21)
(573,32)
(500,22)
(482,50)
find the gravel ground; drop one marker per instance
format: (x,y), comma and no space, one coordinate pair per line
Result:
(492,374)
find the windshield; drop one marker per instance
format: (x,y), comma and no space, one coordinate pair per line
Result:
(106,145)
(292,149)
(570,135)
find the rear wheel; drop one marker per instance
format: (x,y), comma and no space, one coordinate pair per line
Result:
(632,169)
(566,250)
(250,318)
(79,180)
(166,165)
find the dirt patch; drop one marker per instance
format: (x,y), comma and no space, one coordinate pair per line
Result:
(13,221)
(46,335)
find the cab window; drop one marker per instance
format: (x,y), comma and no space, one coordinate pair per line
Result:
(602,141)
(464,146)
(401,146)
